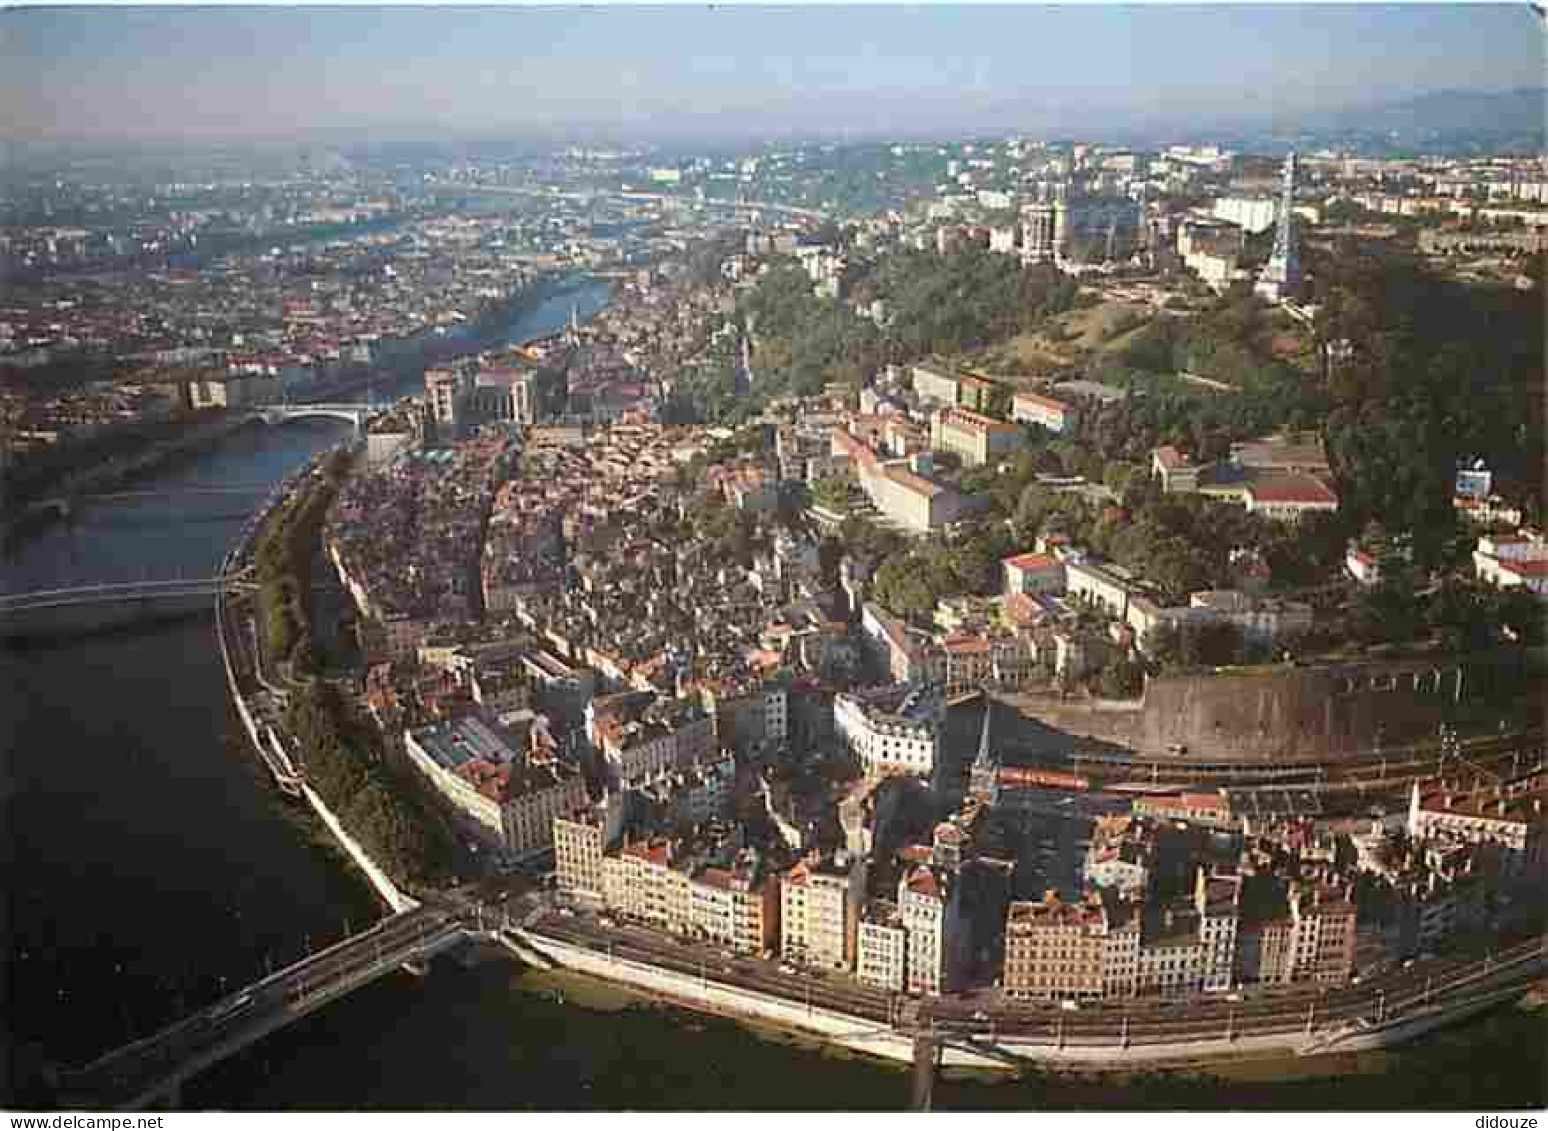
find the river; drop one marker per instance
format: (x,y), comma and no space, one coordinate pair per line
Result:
(153,866)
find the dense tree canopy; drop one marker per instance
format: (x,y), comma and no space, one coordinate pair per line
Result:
(375,810)
(1436,371)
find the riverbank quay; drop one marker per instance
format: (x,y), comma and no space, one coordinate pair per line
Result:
(1384,1014)
(266,734)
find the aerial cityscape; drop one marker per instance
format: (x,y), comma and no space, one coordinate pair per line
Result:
(722,559)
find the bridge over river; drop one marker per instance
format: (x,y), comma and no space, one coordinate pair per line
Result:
(99,605)
(356,413)
(153,1069)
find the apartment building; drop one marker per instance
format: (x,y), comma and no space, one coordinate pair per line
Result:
(1513,561)
(511,794)
(1173,957)
(896,731)
(931,384)
(1033,573)
(641,735)
(1217,901)
(929,905)
(1176,470)
(820,906)
(1098,583)
(1045,412)
(1507,817)
(912,500)
(534,795)
(1306,933)
(901,491)
(737,906)
(638,881)
(1322,941)
(1055,950)
(894,644)
(581,841)
(882,947)
(976,438)
(447,395)
(1290,498)
(560,689)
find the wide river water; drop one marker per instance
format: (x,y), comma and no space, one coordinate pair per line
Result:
(150,866)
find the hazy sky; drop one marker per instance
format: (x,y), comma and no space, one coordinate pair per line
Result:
(729,71)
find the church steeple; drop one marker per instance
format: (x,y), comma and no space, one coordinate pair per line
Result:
(984,777)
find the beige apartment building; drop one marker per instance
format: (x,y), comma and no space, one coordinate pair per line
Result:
(882,947)
(976,438)
(1055,950)
(820,911)
(928,905)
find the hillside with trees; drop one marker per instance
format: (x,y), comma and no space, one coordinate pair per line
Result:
(1437,371)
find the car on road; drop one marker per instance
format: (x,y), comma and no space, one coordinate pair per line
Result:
(1070,1005)
(786,968)
(1235,997)
(980,1015)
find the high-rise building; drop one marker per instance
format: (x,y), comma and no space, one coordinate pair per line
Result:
(1037,233)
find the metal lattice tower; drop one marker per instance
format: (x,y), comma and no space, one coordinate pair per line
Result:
(1283,272)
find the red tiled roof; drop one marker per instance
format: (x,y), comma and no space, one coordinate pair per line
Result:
(1300,489)
(974,421)
(1525,567)
(1033,561)
(1041,401)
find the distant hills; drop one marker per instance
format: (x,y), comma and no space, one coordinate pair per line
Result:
(1506,111)
(1445,122)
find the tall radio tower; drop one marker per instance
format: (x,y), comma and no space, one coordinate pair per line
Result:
(1281,277)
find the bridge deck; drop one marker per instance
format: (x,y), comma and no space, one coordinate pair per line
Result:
(136,1074)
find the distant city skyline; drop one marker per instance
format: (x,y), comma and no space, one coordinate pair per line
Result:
(719,73)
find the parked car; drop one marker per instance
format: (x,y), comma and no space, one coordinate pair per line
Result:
(1070,1005)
